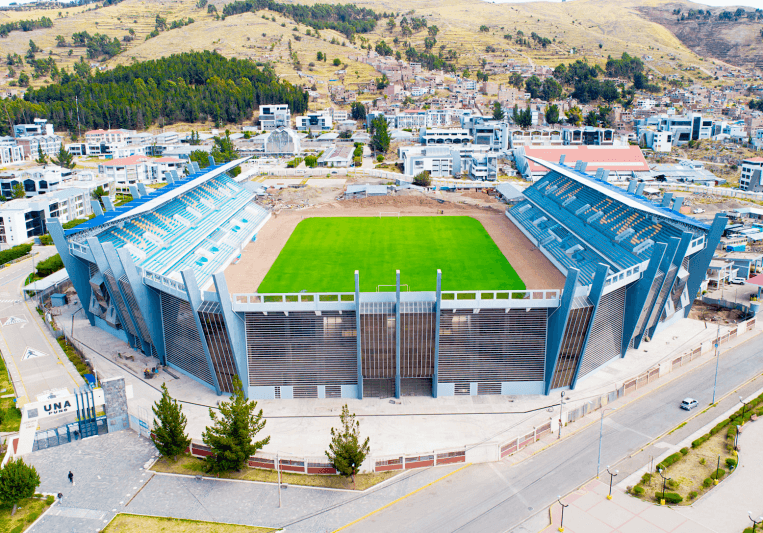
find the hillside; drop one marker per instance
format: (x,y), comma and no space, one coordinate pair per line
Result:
(738,41)
(590,29)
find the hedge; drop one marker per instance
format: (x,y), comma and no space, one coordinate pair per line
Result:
(14,253)
(684,450)
(669,460)
(708,481)
(670,497)
(50,265)
(718,474)
(638,489)
(731,463)
(734,420)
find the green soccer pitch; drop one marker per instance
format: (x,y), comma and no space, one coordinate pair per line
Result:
(323,254)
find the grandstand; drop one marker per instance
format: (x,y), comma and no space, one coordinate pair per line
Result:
(152,273)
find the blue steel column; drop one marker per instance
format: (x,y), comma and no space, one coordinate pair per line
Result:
(77,270)
(103,265)
(397,337)
(234,324)
(667,260)
(194,300)
(148,302)
(636,295)
(118,271)
(702,259)
(597,289)
(557,323)
(435,375)
(677,260)
(357,334)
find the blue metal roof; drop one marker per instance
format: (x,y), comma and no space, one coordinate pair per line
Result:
(621,194)
(158,197)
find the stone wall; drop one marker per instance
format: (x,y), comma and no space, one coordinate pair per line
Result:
(115,406)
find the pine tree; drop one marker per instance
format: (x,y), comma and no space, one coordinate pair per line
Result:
(345,451)
(65,159)
(231,436)
(41,157)
(381,138)
(169,434)
(17,481)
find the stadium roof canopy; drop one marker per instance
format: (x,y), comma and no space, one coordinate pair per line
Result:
(156,198)
(621,195)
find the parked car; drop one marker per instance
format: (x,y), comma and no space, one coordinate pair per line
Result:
(698,210)
(737,281)
(688,404)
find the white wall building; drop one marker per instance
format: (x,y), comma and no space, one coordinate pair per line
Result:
(659,141)
(108,136)
(36,180)
(25,218)
(314,121)
(39,127)
(751,175)
(274,116)
(50,145)
(10,152)
(136,169)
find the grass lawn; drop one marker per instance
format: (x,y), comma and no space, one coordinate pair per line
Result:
(323,253)
(10,417)
(193,466)
(131,523)
(28,511)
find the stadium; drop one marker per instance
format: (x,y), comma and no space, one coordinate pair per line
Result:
(213,284)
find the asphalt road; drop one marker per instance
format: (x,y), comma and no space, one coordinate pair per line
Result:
(499,497)
(35,361)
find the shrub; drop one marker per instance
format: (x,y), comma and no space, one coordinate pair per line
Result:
(693,494)
(702,461)
(670,497)
(669,460)
(638,490)
(14,253)
(708,482)
(684,450)
(731,463)
(646,478)
(672,483)
(629,489)
(718,474)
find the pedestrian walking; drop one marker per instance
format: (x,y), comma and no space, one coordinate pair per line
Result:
(71,477)
(60,497)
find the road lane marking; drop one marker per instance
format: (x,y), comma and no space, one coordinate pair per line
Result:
(390,504)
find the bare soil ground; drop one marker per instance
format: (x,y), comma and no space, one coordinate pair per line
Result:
(703,311)
(532,266)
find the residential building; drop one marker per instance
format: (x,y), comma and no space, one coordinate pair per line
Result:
(10,151)
(314,121)
(274,116)
(40,127)
(25,218)
(751,175)
(108,136)
(658,141)
(36,180)
(50,145)
(140,169)
(588,136)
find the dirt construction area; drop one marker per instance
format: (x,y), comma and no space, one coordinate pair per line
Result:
(532,266)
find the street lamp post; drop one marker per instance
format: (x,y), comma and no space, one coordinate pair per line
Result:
(71,329)
(561,402)
(744,409)
(754,522)
(611,477)
(664,479)
(601,432)
(561,522)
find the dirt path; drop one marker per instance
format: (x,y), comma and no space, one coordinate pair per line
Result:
(257,258)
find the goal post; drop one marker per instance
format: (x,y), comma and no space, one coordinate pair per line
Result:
(389,214)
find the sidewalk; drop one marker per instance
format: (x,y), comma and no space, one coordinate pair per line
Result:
(411,425)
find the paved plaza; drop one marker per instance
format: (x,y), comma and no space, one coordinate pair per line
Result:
(110,478)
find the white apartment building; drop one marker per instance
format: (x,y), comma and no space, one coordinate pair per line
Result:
(36,180)
(314,121)
(108,136)
(25,218)
(50,145)
(646,103)
(10,152)
(274,116)
(39,127)
(685,128)
(751,175)
(450,161)
(139,169)
(658,141)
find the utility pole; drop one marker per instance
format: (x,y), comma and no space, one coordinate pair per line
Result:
(79,131)
(278,469)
